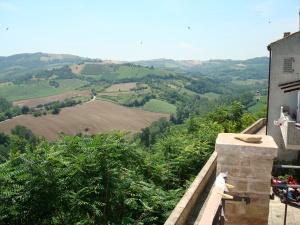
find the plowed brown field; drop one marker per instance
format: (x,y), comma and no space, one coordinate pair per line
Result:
(36,101)
(89,118)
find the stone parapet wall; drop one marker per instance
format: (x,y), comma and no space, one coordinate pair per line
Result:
(255,127)
(185,206)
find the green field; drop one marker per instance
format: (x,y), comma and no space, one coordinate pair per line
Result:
(155,105)
(249,81)
(36,89)
(186,91)
(119,72)
(211,95)
(259,105)
(120,99)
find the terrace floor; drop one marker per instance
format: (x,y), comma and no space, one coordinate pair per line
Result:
(276,213)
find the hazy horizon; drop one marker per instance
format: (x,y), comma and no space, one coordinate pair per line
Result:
(145,30)
(108,59)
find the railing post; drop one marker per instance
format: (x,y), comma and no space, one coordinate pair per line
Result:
(249,168)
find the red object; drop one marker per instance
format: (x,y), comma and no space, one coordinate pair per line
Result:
(292,181)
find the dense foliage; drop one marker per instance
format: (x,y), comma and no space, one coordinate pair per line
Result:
(109,178)
(7,110)
(20,140)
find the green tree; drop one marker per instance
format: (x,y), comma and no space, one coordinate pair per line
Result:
(55,111)
(25,109)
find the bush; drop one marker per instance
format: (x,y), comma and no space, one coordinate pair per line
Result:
(55,111)
(37,113)
(25,109)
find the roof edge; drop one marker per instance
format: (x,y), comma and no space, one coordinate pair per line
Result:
(281,39)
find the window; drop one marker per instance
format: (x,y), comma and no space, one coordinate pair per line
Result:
(288,65)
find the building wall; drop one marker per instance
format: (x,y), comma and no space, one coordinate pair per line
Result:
(287,47)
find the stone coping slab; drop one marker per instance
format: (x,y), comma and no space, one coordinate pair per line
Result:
(226,142)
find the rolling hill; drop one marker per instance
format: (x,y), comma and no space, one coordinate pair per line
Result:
(255,68)
(21,64)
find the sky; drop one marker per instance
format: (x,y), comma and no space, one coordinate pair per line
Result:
(146,29)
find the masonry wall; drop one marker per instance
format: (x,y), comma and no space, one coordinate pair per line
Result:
(288,47)
(249,169)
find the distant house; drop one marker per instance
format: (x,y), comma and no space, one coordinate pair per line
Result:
(283,122)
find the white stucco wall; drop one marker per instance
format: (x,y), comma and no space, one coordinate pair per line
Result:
(287,47)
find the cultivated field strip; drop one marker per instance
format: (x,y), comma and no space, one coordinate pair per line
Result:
(44,100)
(89,118)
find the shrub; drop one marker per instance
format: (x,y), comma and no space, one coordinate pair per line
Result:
(37,113)
(55,111)
(25,109)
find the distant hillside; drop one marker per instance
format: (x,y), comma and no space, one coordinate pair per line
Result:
(30,60)
(20,67)
(169,63)
(125,72)
(163,85)
(20,64)
(256,68)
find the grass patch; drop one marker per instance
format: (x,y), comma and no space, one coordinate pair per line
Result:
(259,106)
(120,99)
(185,91)
(155,105)
(249,82)
(36,89)
(119,72)
(211,95)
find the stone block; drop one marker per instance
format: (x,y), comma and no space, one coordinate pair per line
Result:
(236,208)
(226,143)
(228,159)
(240,185)
(259,199)
(257,210)
(263,164)
(245,161)
(232,220)
(231,170)
(259,187)
(254,173)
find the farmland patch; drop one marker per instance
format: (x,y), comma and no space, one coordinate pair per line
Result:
(89,118)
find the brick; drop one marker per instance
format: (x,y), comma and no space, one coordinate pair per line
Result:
(258,174)
(259,187)
(259,199)
(231,160)
(245,161)
(263,164)
(232,170)
(246,221)
(257,210)
(240,186)
(236,208)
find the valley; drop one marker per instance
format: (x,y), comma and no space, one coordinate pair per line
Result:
(98,133)
(129,96)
